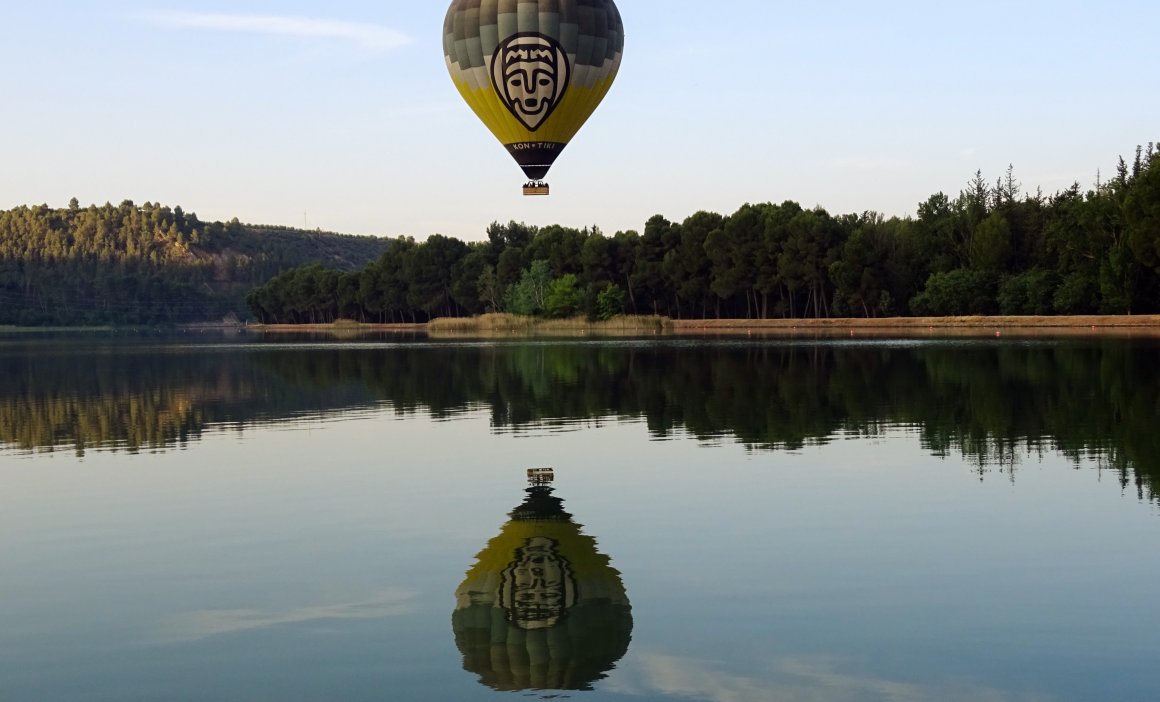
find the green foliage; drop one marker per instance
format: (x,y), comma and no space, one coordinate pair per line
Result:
(1076,294)
(429,270)
(1029,293)
(648,279)
(687,267)
(1142,208)
(1116,278)
(860,274)
(955,293)
(529,295)
(563,298)
(990,247)
(609,302)
(936,234)
(489,291)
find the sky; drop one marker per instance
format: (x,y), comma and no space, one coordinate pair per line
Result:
(340,115)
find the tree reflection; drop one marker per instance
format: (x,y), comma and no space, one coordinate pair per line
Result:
(989,401)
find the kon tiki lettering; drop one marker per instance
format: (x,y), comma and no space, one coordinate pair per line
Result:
(530,73)
(537,145)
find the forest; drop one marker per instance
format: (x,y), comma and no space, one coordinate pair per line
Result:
(148,264)
(990,249)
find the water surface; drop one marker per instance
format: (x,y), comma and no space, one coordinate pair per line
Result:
(207,518)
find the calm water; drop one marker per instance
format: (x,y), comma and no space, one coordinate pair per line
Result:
(809,521)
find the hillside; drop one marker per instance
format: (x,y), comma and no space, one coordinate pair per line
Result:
(148,264)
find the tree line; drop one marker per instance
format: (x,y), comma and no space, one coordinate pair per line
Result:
(991,249)
(146,264)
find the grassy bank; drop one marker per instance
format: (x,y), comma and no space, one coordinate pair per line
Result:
(503,323)
(340,326)
(496,324)
(499,324)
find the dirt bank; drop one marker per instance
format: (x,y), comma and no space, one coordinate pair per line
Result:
(939,326)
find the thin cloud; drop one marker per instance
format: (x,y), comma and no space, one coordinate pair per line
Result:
(803,679)
(203,624)
(369,36)
(871,164)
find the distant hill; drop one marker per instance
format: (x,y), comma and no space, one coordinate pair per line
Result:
(149,264)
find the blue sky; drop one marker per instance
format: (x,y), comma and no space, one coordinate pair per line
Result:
(340,115)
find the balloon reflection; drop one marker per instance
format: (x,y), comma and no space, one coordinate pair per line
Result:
(541,609)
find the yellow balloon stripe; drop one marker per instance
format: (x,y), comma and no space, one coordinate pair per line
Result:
(575,108)
(488,111)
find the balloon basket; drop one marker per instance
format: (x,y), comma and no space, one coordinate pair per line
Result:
(541,476)
(535,188)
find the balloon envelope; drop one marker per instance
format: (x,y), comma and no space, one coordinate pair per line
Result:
(533,70)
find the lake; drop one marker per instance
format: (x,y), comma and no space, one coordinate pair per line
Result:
(200,516)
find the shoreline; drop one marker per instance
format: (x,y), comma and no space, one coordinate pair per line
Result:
(509,325)
(882,326)
(976,326)
(965,322)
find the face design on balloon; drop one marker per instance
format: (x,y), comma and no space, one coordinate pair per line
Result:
(538,586)
(530,73)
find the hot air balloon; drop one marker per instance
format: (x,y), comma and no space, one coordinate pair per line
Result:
(533,70)
(541,609)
